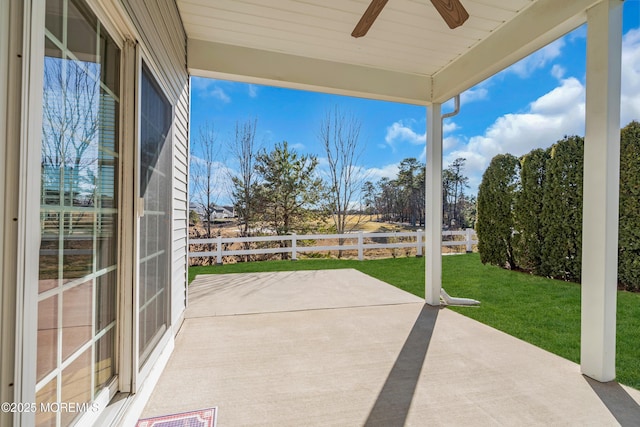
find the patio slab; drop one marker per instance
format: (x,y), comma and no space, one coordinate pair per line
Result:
(391,364)
(250,293)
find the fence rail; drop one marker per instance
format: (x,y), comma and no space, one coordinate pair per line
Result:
(356,242)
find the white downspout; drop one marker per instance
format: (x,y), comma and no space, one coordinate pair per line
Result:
(444,296)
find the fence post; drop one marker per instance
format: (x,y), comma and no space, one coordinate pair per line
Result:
(360,246)
(294,246)
(219,250)
(419,243)
(469,239)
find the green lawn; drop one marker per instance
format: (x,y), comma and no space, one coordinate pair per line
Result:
(541,311)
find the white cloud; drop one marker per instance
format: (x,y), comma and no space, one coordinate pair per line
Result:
(561,99)
(557,113)
(388,171)
(399,132)
(558,71)
(218,93)
(449,126)
(253,91)
(211,88)
(525,67)
(630,99)
(200,83)
(477,93)
(450,142)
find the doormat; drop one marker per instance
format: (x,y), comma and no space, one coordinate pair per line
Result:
(201,418)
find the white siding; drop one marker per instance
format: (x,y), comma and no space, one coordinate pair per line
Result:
(164,40)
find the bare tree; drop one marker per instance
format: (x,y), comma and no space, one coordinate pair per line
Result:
(340,137)
(244,151)
(205,173)
(70,128)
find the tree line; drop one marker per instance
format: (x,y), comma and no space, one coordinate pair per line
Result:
(285,191)
(402,199)
(530,210)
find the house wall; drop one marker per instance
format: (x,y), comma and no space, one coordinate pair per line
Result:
(163,39)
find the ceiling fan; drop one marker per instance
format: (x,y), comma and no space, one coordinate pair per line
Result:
(451,11)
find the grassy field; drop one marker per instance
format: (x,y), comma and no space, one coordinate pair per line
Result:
(541,311)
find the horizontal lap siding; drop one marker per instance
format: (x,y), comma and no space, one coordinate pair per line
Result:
(180,210)
(163,38)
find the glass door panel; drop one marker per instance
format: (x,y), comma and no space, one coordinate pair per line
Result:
(154,236)
(78,209)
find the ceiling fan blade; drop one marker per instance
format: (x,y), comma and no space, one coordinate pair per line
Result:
(368,18)
(451,11)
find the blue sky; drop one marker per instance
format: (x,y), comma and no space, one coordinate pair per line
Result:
(530,104)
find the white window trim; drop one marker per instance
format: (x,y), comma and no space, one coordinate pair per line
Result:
(29,206)
(11,17)
(126,300)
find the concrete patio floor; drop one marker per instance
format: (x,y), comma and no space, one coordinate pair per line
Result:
(340,348)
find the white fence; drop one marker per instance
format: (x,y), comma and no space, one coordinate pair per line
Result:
(352,241)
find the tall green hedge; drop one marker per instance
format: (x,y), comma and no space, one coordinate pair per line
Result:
(528,209)
(495,211)
(547,210)
(561,218)
(629,231)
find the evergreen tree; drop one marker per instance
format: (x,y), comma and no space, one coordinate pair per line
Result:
(629,234)
(496,196)
(290,192)
(528,209)
(369,194)
(561,218)
(386,202)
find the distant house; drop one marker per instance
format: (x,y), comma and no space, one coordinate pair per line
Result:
(216,211)
(223,212)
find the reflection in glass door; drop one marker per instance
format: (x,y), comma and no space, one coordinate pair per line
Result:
(154,236)
(78,210)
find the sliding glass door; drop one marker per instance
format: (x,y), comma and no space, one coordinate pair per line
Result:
(155,203)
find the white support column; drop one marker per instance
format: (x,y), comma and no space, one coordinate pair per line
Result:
(433,198)
(601,191)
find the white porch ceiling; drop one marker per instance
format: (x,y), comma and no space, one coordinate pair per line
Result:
(409,54)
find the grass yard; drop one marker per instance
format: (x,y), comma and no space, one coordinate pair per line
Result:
(541,311)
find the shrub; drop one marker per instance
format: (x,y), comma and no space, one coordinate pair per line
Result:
(494,226)
(561,218)
(629,223)
(528,209)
